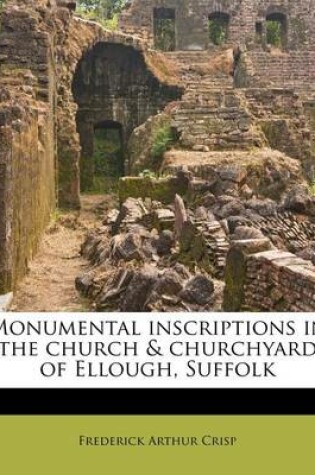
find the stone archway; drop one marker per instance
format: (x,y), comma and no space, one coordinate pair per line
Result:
(103,76)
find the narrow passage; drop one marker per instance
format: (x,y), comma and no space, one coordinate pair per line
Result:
(49,285)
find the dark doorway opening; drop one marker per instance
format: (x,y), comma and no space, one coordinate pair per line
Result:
(259,32)
(218,28)
(276,30)
(164,26)
(101,171)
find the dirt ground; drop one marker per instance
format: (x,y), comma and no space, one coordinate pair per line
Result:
(49,285)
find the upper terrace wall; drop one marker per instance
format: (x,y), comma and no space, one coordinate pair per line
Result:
(244,16)
(258,66)
(293,69)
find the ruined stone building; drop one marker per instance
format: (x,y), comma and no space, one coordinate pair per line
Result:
(226,74)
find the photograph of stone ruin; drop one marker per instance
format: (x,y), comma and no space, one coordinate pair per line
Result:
(165,164)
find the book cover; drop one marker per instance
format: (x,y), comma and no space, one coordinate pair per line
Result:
(157,237)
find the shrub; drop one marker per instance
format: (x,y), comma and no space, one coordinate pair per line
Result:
(163,138)
(274,33)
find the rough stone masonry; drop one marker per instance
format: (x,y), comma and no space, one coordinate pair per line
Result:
(61,75)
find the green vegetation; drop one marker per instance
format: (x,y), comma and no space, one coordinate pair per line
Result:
(218,29)
(55,215)
(103,184)
(165,37)
(163,138)
(159,189)
(148,174)
(105,12)
(311,188)
(274,33)
(108,153)
(108,160)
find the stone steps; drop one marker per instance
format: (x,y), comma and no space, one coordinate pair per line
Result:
(212,115)
(214,121)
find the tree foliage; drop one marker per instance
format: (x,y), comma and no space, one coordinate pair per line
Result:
(102,9)
(105,12)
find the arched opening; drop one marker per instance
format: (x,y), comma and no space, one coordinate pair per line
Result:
(164,28)
(276,30)
(259,29)
(218,28)
(115,92)
(108,154)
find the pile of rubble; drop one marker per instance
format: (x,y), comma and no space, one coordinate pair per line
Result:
(148,256)
(136,264)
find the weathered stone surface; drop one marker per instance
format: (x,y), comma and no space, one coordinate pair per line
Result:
(246,232)
(83,283)
(308,254)
(198,290)
(268,281)
(235,221)
(132,211)
(267,173)
(169,284)
(299,200)
(235,275)
(139,290)
(163,219)
(114,289)
(230,209)
(129,248)
(253,246)
(158,189)
(180,215)
(164,243)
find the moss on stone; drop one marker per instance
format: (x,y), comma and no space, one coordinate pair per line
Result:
(235,274)
(193,250)
(159,189)
(68,188)
(5,282)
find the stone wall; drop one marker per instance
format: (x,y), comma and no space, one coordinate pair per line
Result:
(141,142)
(290,69)
(27,155)
(262,279)
(285,120)
(192,20)
(258,64)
